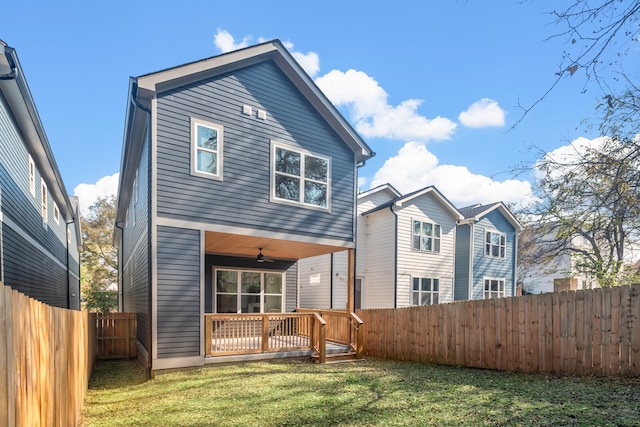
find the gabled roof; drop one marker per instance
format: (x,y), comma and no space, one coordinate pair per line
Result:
(14,89)
(143,88)
(473,213)
(399,201)
(384,187)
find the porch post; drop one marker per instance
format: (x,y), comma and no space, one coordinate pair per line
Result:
(351,281)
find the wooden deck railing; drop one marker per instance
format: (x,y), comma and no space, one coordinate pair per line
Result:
(342,327)
(227,334)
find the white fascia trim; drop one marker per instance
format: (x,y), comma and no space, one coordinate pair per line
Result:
(219,228)
(177,362)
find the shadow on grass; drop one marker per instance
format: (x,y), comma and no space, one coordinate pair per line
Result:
(374,392)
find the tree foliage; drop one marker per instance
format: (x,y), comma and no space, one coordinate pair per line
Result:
(99,265)
(589,206)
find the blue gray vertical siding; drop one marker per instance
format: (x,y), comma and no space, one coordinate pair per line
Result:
(463,244)
(178,292)
(492,267)
(242,197)
(37,271)
(135,250)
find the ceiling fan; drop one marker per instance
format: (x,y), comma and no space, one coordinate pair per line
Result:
(262,258)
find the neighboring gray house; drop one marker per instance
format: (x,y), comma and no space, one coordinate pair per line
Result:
(39,223)
(228,163)
(486,252)
(404,256)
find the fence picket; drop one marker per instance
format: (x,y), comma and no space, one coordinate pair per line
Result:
(587,332)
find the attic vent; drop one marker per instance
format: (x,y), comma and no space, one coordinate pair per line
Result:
(262,114)
(246,109)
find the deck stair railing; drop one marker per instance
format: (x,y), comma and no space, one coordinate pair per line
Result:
(343,327)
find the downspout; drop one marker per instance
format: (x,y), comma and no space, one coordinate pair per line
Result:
(471,251)
(120,281)
(66,237)
(395,257)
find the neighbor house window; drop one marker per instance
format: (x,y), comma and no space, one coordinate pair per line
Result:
(248,291)
(426,236)
(56,213)
(493,288)
(495,244)
(32,176)
(206,149)
(424,291)
(44,208)
(300,177)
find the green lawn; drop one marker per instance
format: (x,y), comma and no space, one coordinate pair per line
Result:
(369,393)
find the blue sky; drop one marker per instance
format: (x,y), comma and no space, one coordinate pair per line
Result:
(433,87)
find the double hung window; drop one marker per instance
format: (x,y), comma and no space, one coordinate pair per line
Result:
(426,236)
(206,149)
(300,177)
(495,244)
(424,291)
(44,206)
(493,288)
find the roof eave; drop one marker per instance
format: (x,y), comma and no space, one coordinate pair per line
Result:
(17,94)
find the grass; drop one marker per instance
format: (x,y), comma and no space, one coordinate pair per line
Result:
(369,393)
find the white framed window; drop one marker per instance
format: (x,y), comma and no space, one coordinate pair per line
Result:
(32,176)
(44,206)
(493,288)
(424,291)
(206,149)
(248,291)
(300,177)
(495,244)
(56,213)
(426,236)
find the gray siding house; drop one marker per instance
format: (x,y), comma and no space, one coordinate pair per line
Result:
(486,252)
(233,169)
(39,223)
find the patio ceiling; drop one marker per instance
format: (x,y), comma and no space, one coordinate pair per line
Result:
(239,245)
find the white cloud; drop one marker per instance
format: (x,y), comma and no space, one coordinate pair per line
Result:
(373,116)
(309,61)
(483,113)
(569,155)
(226,42)
(88,193)
(415,167)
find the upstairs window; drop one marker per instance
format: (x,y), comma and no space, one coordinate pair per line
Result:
(493,288)
(300,177)
(425,291)
(495,244)
(32,176)
(426,236)
(206,149)
(44,207)
(56,213)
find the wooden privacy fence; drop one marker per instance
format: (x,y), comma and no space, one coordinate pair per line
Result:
(589,332)
(116,336)
(46,358)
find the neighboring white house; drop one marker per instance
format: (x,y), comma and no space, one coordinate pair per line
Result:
(557,274)
(405,254)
